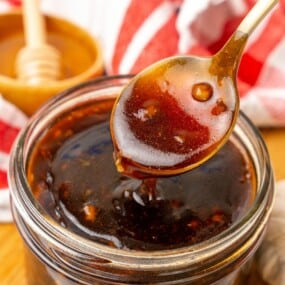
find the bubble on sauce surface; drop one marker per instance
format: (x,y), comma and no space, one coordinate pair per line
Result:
(220,107)
(202,91)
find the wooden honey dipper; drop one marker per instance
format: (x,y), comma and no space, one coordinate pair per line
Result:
(37,62)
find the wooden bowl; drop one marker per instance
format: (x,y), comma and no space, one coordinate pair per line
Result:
(81,60)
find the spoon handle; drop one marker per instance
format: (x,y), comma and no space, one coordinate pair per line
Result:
(34,25)
(229,56)
(256,15)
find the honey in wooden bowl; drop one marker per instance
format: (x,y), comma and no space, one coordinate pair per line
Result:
(81,60)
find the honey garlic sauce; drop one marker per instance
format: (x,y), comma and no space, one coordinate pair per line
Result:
(177,113)
(170,118)
(73,176)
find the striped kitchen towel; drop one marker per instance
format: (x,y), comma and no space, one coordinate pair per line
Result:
(11,121)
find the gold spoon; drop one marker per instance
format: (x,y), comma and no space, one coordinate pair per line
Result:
(177,113)
(38,62)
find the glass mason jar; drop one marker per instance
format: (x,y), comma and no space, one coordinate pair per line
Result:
(57,256)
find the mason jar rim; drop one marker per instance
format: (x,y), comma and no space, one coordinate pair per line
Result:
(33,213)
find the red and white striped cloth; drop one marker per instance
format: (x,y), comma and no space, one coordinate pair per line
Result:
(136,33)
(11,121)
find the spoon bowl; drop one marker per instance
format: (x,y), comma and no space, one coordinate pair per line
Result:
(179,112)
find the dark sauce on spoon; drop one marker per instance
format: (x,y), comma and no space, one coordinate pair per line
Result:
(73,175)
(177,113)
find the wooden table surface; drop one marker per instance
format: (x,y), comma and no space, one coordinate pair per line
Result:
(12,270)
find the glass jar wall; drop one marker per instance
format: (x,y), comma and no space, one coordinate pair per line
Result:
(58,255)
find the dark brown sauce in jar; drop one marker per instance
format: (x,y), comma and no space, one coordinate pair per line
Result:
(73,175)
